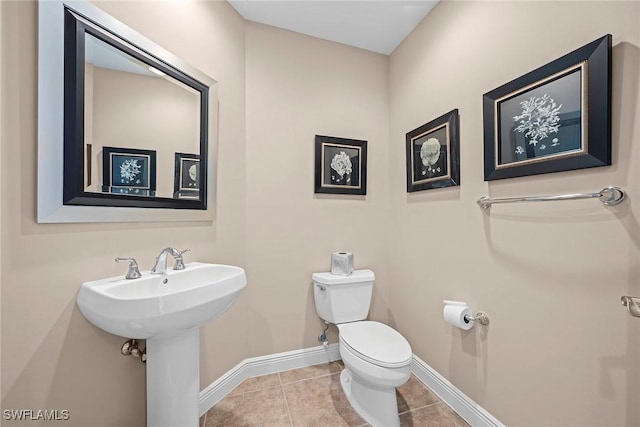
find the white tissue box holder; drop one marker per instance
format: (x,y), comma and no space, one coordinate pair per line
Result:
(342,263)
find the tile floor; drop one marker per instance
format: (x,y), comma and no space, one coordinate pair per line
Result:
(312,397)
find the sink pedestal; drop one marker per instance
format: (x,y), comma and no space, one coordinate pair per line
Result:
(173,382)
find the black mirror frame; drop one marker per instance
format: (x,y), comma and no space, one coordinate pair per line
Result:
(75,28)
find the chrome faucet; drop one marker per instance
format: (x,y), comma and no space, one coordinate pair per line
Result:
(160,266)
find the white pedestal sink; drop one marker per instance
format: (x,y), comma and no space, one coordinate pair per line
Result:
(166,310)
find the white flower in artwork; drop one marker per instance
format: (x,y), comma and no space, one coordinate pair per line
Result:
(430,152)
(540,118)
(543,146)
(129,169)
(519,149)
(341,163)
(555,142)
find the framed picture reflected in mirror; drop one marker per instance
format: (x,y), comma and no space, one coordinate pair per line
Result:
(129,171)
(186,176)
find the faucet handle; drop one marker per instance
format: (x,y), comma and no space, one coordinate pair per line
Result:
(134,272)
(179,264)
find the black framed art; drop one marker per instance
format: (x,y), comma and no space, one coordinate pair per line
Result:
(555,118)
(129,171)
(186,177)
(433,154)
(340,165)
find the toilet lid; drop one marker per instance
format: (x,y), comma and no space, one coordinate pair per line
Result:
(376,343)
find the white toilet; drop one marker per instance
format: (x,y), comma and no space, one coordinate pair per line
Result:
(377,359)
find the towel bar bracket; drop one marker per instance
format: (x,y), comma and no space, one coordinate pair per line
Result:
(632,304)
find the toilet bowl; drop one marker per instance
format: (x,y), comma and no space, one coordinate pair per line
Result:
(376,357)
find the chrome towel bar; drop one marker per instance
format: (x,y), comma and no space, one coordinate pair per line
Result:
(609,196)
(632,304)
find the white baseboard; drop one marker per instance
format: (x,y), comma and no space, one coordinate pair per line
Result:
(263,365)
(469,410)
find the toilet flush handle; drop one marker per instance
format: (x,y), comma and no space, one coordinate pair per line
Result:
(322,288)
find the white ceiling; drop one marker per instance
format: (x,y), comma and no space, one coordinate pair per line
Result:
(375,25)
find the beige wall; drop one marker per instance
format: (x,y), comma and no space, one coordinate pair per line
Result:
(52,358)
(297,87)
(560,350)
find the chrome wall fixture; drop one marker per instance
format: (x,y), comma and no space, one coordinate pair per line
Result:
(609,196)
(482,318)
(632,304)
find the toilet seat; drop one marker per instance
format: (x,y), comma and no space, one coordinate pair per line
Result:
(376,343)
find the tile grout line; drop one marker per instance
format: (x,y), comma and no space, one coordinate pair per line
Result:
(249,391)
(311,378)
(280,380)
(286,403)
(421,407)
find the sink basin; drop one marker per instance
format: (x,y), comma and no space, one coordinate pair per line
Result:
(161,304)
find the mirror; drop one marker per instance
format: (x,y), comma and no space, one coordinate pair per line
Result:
(137,123)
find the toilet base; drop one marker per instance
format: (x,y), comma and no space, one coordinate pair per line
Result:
(377,406)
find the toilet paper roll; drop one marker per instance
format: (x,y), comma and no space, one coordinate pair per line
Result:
(454,314)
(342,263)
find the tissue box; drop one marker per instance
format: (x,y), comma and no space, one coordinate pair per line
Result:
(342,263)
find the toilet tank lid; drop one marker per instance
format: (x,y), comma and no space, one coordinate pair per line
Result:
(335,279)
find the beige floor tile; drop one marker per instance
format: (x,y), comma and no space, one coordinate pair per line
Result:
(257,383)
(413,395)
(320,402)
(436,415)
(311,372)
(266,407)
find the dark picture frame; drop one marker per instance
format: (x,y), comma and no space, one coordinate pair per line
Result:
(186,181)
(555,118)
(433,154)
(129,171)
(340,165)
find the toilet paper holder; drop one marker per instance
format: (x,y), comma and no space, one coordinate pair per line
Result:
(482,318)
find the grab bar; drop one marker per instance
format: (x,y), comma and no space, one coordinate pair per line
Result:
(632,304)
(609,196)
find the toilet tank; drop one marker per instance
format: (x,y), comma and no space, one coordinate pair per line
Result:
(341,299)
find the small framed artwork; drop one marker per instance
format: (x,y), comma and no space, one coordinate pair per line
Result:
(340,165)
(186,182)
(129,171)
(433,154)
(555,118)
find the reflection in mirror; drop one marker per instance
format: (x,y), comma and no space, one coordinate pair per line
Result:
(154,113)
(132,124)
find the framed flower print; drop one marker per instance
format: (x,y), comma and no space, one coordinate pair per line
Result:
(433,154)
(340,165)
(555,118)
